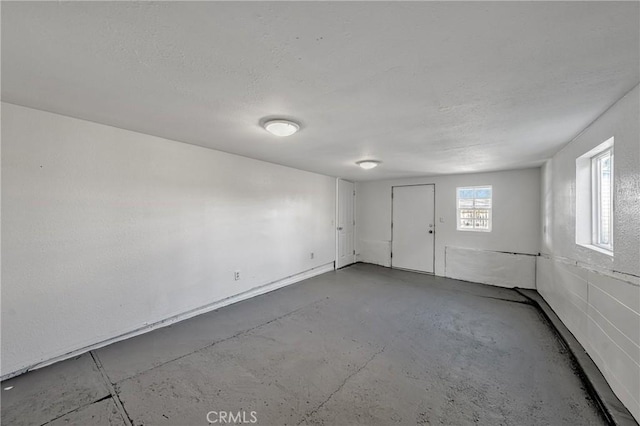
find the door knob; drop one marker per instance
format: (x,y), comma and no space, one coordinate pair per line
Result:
(430,231)
(339,228)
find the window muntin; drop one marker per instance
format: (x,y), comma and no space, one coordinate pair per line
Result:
(474,208)
(602,199)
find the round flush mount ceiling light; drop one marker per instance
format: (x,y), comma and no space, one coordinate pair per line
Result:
(368,164)
(281,127)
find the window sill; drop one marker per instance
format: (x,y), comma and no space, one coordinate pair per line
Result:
(598,249)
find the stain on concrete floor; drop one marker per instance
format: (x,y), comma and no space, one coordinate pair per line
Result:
(362,345)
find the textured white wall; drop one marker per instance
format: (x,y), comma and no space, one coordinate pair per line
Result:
(107,230)
(559,186)
(516,215)
(598,296)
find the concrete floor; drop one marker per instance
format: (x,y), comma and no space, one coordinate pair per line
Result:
(363,345)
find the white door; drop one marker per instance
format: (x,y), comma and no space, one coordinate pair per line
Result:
(413,227)
(345,252)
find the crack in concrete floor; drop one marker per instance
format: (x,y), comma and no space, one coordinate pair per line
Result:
(344,382)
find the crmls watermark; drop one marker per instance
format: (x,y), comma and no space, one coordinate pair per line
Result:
(231,417)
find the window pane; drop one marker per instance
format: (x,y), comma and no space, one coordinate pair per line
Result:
(602,190)
(474,208)
(466,214)
(466,224)
(465,193)
(482,224)
(483,193)
(483,203)
(482,214)
(604,168)
(465,204)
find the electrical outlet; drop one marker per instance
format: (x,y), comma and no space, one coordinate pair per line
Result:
(311,257)
(236,275)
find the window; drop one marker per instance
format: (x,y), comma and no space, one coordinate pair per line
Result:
(602,193)
(474,208)
(594,198)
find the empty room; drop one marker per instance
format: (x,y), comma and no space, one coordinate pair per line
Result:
(320,213)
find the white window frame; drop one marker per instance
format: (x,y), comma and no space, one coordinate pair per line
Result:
(587,199)
(596,201)
(458,208)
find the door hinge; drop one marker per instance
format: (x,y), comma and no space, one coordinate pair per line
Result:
(354,252)
(354,193)
(392,255)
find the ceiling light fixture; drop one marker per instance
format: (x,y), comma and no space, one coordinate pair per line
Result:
(368,164)
(281,127)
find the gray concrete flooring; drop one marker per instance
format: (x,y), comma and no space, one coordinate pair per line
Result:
(362,345)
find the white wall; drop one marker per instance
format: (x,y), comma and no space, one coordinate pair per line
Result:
(491,267)
(107,230)
(516,217)
(598,296)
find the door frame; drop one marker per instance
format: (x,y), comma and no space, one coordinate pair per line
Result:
(435,234)
(337,224)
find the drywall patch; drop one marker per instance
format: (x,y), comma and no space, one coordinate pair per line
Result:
(491,267)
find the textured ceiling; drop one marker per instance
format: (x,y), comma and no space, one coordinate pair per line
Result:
(425,87)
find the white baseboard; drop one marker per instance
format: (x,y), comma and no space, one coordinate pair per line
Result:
(181,317)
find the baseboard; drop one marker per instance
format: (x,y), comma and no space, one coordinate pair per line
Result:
(256,291)
(612,408)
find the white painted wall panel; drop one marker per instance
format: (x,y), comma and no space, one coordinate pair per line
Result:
(516,215)
(623,318)
(626,344)
(573,283)
(545,278)
(107,230)
(617,367)
(569,299)
(572,277)
(621,291)
(489,267)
